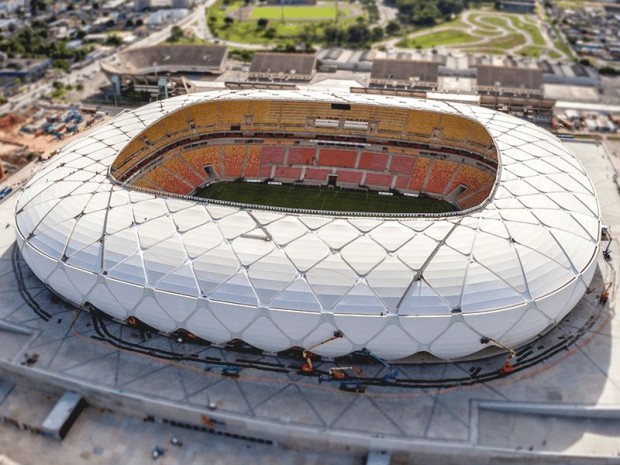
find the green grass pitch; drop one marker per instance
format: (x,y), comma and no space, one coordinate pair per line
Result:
(297,13)
(320,198)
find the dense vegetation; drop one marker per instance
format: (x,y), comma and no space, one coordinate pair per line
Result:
(34,42)
(428,13)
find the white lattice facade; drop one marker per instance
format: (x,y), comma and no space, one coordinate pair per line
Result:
(396,285)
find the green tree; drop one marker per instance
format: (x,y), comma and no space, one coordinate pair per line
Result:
(392,28)
(176,34)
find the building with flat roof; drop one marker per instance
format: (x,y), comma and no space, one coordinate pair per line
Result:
(267,66)
(404,74)
(509,80)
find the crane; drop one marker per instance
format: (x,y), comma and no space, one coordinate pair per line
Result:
(307,368)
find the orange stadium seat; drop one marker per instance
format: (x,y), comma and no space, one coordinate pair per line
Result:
(189,174)
(289,113)
(199,158)
(233,160)
(472,178)
(259,109)
(402,164)
(456,128)
(402,182)
(381,181)
(156,132)
(145,184)
(480,136)
(337,157)
(469,200)
(252,160)
(264,171)
(204,114)
(167,181)
(349,177)
(418,177)
(372,161)
(423,123)
(301,155)
(441,173)
(390,119)
(272,155)
(233,111)
(176,122)
(317,174)
(287,173)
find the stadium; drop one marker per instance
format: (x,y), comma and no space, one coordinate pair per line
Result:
(463,228)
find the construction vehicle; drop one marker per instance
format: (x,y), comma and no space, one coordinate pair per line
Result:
(606,234)
(307,368)
(390,377)
(339,374)
(347,383)
(354,385)
(507,367)
(229,371)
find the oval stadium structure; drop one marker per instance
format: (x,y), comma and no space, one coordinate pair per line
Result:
(113,223)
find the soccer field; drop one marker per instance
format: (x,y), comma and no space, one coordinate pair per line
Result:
(321,198)
(298,13)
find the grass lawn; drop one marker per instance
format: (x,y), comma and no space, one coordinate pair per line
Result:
(530,51)
(320,198)
(246,30)
(299,13)
(439,38)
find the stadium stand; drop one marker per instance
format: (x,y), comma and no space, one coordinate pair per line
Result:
(441,173)
(472,178)
(165,180)
(390,119)
(402,182)
(372,161)
(337,157)
(177,165)
(317,174)
(301,155)
(349,177)
(199,158)
(402,164)
(419,174)
(252,160)
(145,184)
(260,111)
(233,112)
(273,155)
(379,181)
(465,201)
(456,128)
(234,156)
(286,173)
(423,123)
(428,159)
